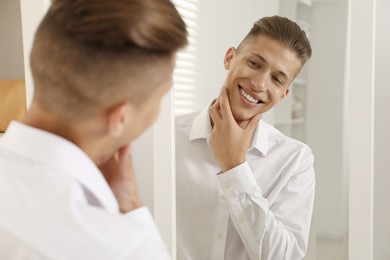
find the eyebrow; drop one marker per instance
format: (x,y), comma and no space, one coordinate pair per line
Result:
(265,61)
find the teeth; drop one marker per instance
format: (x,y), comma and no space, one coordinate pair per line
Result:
(249,97)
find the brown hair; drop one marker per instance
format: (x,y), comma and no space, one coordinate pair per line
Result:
(285,31)
(91,54)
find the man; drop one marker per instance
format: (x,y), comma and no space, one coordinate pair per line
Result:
(244,190)
(100,69)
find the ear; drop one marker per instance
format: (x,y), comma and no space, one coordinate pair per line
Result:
(117,117)
(231,52)
(286,92)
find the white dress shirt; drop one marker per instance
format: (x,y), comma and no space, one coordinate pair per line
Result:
(260,209)
(55,204)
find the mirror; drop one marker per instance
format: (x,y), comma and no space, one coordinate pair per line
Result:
(215,26)
(314,112)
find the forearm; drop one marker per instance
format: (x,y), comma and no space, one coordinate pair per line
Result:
(265,230)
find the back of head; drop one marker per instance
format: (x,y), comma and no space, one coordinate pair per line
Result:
(91,54)
(286,32)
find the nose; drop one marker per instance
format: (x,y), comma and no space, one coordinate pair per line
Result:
(259,82)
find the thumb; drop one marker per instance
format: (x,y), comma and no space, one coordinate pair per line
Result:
(253,122)
(125,157)
(125,151)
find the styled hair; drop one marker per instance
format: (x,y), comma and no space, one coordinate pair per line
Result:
(91,54)
(286,32)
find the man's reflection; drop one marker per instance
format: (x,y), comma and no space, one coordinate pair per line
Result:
(245,190)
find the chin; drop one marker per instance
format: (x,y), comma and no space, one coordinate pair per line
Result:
(241,115)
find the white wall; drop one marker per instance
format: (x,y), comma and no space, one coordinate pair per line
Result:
(361,84)
(381,211)
(143,166)
(11,48)
(32,13)
(224,24)
(325,116)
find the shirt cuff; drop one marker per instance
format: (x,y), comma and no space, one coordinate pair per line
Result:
(238,180)
(143,218)
(142,213)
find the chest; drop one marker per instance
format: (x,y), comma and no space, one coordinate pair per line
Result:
(197,169)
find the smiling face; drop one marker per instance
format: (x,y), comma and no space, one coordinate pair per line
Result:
(259,73)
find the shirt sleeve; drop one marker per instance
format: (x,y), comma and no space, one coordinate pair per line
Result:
(150,243)
(277,231)
(108,235)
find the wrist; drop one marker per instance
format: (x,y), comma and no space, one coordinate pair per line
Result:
(135,203)
(228,166)
(125,209)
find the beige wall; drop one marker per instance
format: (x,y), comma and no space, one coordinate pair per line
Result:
(11,46)
(381,212)
(32,12)
(326,92)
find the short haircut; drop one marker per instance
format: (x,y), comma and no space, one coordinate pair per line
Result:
(91,54)
(286,32)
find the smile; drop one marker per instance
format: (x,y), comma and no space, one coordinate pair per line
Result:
(248,97)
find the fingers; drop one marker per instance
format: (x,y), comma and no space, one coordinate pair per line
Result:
(214,112)
(253,122)
(116,163)
(107,168)
(125,164)
(124,152)
(225,104)
(221,110)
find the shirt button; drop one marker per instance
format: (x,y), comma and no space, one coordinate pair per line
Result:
(242,218)
(220,235)
(227,185)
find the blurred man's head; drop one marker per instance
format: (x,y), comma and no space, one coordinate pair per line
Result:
(91,57)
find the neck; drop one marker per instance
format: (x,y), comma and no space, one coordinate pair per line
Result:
(81,134)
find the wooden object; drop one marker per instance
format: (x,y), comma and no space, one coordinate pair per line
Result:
(12,101)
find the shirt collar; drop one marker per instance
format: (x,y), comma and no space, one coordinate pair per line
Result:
(62,156)
(201,129)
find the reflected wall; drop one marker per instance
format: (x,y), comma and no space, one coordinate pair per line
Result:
(326,116)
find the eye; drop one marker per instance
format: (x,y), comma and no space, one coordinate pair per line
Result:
(253,63)
(277,80)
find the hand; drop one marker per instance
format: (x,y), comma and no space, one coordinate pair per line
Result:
(229,141)
(119,174)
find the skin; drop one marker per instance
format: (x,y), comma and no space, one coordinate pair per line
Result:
(118,168)
(264,69)
(106,137)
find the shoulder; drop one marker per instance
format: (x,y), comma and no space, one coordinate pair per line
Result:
(185,119)
(183,125)
(278,139)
